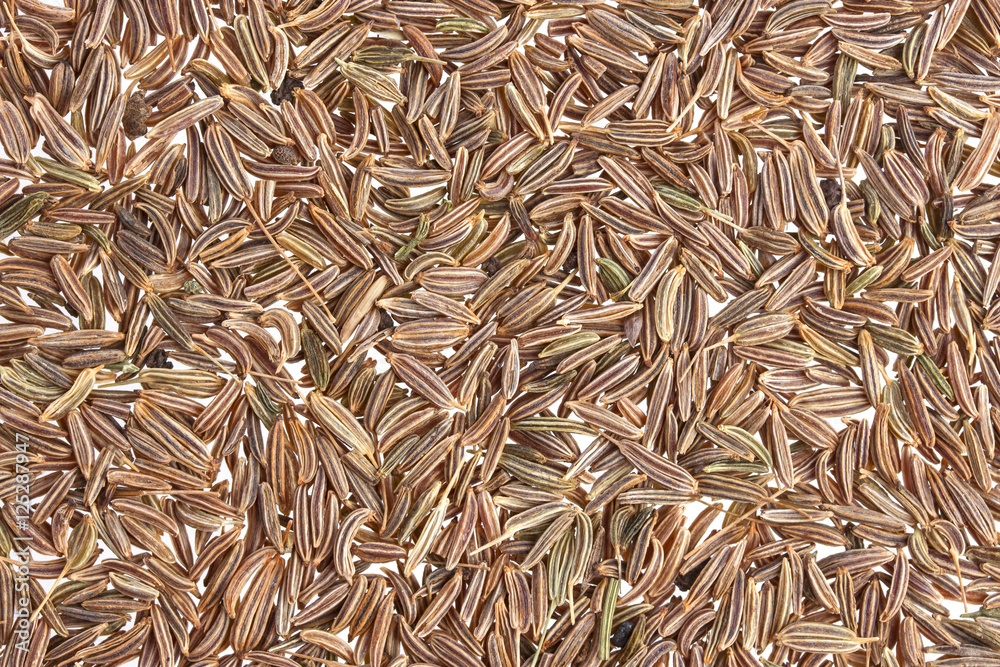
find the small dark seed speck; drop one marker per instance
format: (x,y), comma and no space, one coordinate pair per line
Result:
(284,91)
(285,155)
(831,191)
(622,633)
(134,118)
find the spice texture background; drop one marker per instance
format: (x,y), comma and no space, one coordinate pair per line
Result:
(504,334)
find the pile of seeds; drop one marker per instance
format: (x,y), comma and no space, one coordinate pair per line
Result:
(487,333)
